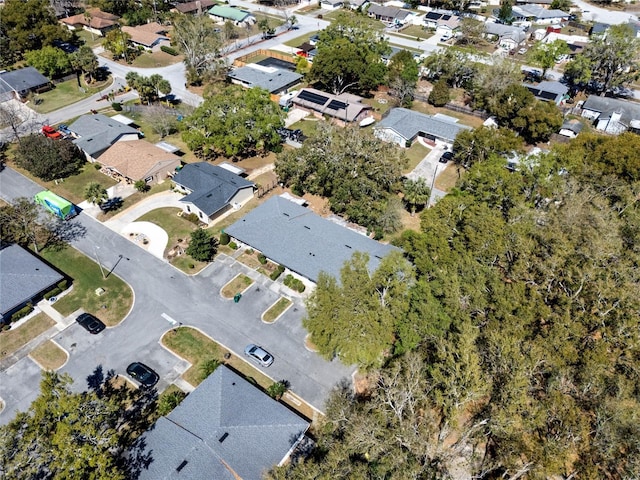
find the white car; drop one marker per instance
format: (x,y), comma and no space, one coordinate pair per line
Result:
(258,355)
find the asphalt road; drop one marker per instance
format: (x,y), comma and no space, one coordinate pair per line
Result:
(164,295)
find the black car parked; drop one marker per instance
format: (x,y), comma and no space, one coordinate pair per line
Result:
(143,374)
(90,323)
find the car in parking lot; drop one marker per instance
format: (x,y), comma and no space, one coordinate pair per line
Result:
(50,132)
(90,323)
(258,355)
(143,374)
(446,157)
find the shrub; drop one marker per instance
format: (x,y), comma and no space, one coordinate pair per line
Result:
(278,389)
(97,166)
(52,293)
(439,95)
(169,50)
(250,251)
(294,283)
(262,259)
(116,106)
(208,367)
(277,273)
(224,238)
(167,402)
(233,245)
(141,186)
(23,312)
(192,217)
(62,285)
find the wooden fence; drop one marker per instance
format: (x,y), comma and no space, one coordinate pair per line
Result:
(244,59)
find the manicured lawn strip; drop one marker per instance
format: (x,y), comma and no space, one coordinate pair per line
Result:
(237,285)
(72,188)
(415,154)
(308,127)
(66,93)
(177,228)
(49,355)
(250,260)
(296,42)
(276,310)
(155,60)
(188,265)
(13,339)
(85,272)
(415,31)
(197,348)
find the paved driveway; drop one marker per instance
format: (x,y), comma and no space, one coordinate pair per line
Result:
(428,168)
(164,295)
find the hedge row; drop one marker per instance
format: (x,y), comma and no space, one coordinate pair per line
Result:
(169,50)
(294,283)
(23,312)
(277,273)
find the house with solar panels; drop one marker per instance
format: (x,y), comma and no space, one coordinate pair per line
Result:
(555,92)
(344,108)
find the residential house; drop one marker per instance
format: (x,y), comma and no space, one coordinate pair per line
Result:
(343,108)
(24,279)
(197,7)
(445,23)
(19,83)
(211,190)
(139,160)
(539,3)
(540,15)
(389,15)
(94,134)
(555,92)
(357,4)
(404,126)
(222,13)
(599,29)
(151,35)
(302,241)
(571,128)
(307,50)
(273,79)
(508,36)
(226,429)
(93,20)
(331,4)
(612,115)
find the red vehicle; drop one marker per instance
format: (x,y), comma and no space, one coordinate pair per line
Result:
(49,131)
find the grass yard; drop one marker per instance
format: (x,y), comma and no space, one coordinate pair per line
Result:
(296,42)
(176,227)
(469,120)
(155,60)
(380,103)
(197,348)
(90,39)
(111,307)
(16,338)
(415,154)
(49,355)
(368,21)
(415,31)
(276,310)
(448,178)
(66,93)
(135,198)
(238,285)
(309,125)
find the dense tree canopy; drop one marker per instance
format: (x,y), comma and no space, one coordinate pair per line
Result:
(352,168)
(350,56)
(50,61)
(546,55)
(49,159)
(403,77)
(27,25)
(77,435)
(237,122)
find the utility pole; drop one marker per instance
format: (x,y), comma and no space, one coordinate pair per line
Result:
(95,251)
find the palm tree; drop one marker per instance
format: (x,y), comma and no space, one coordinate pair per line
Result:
(416,193)
(95,193)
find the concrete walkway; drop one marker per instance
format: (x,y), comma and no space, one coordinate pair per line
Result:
(159,200)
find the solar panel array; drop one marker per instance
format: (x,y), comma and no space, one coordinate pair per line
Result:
(312,97)
(337,105)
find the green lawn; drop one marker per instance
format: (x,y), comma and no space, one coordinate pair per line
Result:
(276,310)
(415,31)
(308,127)
(112,306)
(176,227)
(296,42)
(415,154)
(238,285)
(49,355)
(135,198)
(66,93)
(155,60)
(371,22)
(13,339)
(90,39)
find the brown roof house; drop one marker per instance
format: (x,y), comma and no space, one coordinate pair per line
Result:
(197,7)
(93,20)
(139,160)
(150,35)
(342,109)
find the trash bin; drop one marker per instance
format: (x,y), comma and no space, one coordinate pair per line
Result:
(237,297)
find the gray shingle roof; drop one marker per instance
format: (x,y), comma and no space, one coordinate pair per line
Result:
(24,79)
(409,123)
(607,106)
(302,241)
(538,12)
(260,432)
(548,91)
(22,277)
(98,132)
(269,78)
(505,31)
(211,186)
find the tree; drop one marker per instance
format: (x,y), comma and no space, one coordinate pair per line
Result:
(491,80)
(540,120)
(473,146)
(355,319)
(85,61)
(21,223)
(237,122)
(577,72)
(403,77)
(439,95)
(49,159)
(50,61)
(197,37)
(613,58)
(505,14)
(170,400)
(564,5)
(350,56)
(19,120)
(117,42)
(141,186)
(77,435)
(95,193)
(28,25)
(546,55)
(416,193)
(352,168)
(455,67)
(202,246)
(117,7)
(162,120)
(472,31)
(208,367)
(149,88)
(278,389)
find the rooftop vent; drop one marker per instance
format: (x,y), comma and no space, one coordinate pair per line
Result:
(223,437)
(308,228)
(182,465)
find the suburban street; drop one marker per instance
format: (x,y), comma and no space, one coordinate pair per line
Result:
(164,296)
